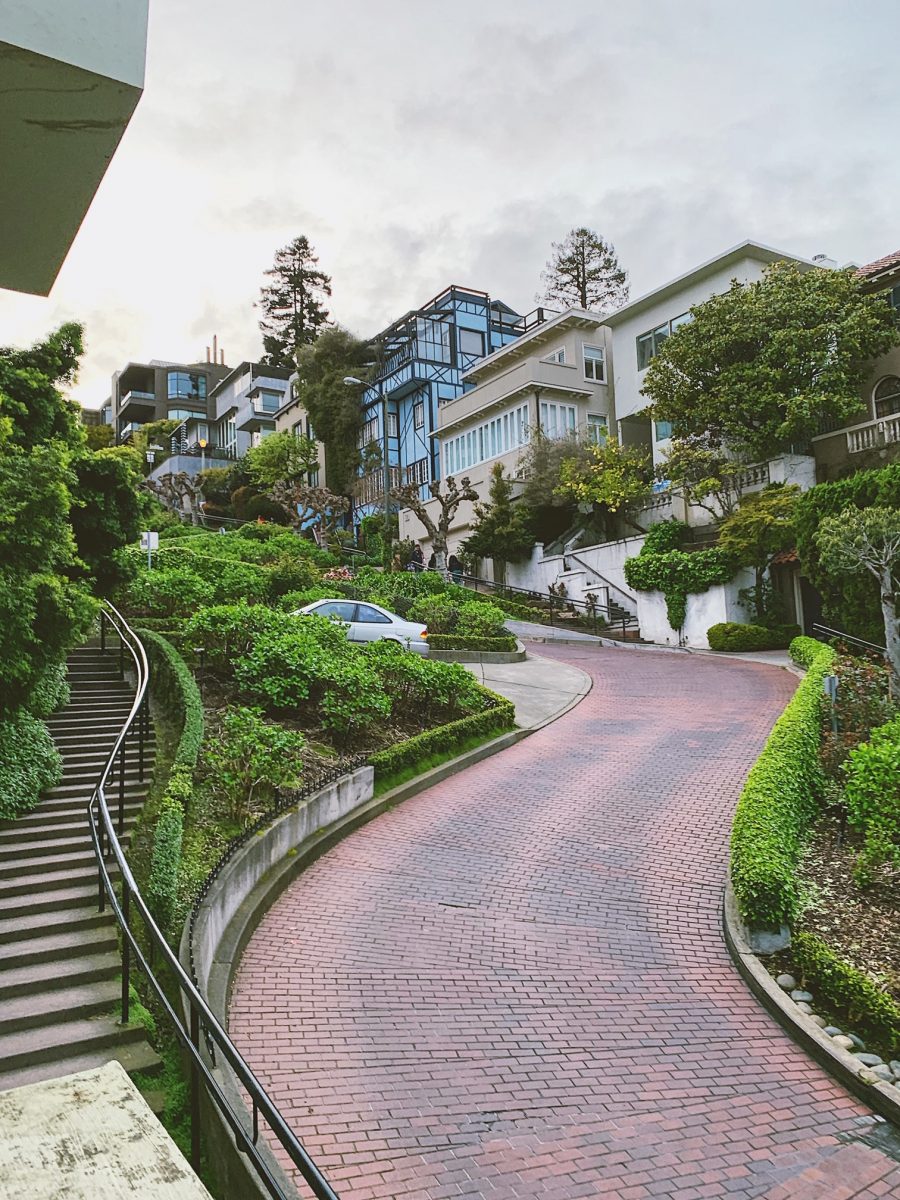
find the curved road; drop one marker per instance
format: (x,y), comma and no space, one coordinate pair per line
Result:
(515,985)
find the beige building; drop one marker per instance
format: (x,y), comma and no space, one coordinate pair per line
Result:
(555,379)
(293,418)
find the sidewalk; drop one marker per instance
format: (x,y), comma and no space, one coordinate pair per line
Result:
(533,632)
(542,689)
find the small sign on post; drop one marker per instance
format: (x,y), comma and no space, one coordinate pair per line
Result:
(150,542)
(830,688)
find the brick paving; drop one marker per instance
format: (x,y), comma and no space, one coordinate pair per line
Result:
(514,985)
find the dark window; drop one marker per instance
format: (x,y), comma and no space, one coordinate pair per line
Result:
(471,342)
(371,616)
(186,385)
(887,396)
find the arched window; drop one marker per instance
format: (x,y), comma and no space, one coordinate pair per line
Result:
(887,396)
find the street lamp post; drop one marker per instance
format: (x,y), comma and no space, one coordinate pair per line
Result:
(352,381)
(202,443)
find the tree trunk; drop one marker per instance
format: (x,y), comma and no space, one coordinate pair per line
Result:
(891,626)
(758,594)
(500,571)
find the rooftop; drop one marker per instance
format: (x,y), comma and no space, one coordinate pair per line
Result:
(881,268)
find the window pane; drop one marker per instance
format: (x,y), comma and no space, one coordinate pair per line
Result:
(471,342)
(663,430)
(341,609)
(644,350)
(371,616)
(677,322)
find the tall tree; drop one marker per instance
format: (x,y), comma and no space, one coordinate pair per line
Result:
(583,272)
(334,407)
(704,474)
(503,531)
(293,311)
(762,366)
(282,458)
(868,540)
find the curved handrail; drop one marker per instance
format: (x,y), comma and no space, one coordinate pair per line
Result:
(823,631)
(106,843)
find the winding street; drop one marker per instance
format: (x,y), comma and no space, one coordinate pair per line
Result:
(515,984)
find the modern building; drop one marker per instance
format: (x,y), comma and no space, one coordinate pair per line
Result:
(425,355)
(640,327)
(72,76)
(873,438)
(555,378)
(160,391)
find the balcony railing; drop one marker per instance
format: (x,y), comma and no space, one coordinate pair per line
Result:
(144,399)
(873,435)
(129,430)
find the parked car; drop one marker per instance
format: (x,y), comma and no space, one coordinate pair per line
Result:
(367,622)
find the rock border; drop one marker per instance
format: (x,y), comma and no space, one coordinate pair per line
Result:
(857,1077)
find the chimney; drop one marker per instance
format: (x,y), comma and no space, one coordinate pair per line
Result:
(215,348)
(207,353)
(222,357)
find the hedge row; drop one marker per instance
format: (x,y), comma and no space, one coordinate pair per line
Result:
(176,690)
(29,763)
(803,650)
(736,636)
(871,1011)
(777,805)
(450,641)
(494,720)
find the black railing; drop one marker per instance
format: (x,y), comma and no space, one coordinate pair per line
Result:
(129,902)
(824,634)
(613,618)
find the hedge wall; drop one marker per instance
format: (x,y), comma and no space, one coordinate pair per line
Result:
(449,641)
(872,1012)
(494,720)
(778,803)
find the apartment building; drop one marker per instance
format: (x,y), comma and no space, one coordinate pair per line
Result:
(425,355)
(555,378)
(293,418)
(160,390)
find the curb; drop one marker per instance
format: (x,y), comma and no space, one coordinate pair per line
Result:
(883,1097)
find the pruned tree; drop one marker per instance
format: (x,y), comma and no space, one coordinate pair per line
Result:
(282,457)
(503,530)
(760,527)
(293,311)
(180,492)
(304,505)
(868,539)
(583,272)
(448,502)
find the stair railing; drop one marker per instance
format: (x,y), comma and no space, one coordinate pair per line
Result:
(107,848)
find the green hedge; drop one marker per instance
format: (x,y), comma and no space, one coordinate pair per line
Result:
(174,687)
(29,763)
(803,650)
(735,636)
(450,641)
(162,884)
(494,720)
(872,1012)
(777,805)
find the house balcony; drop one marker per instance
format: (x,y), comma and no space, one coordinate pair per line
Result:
(253,418)
(877,438)
(128,431)
(138,403)
(873,435)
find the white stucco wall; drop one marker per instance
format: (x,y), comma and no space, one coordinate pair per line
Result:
(717,604)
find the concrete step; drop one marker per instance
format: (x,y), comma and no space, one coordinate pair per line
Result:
(55,1006)
(134,1056)
(15,866)
(76,791)
(66,812)
(48,901)
(44,976)
(47,881)
(62,842)
(65,1039)
(31,928)
(87,776)
(97,939)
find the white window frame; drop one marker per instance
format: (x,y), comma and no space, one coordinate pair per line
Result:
(556,356)
(595,423)
(419,414)
(601,350)
(558,420)
(393,424)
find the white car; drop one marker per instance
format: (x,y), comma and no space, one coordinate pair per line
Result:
(367,622)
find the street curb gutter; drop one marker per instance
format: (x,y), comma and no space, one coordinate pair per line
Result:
(233,939)
(883,1097)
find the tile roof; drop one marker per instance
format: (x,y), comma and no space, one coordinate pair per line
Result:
(871,270)
(786,556)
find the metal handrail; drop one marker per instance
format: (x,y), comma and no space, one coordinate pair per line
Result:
(106,844)
(591,610)
(826,633)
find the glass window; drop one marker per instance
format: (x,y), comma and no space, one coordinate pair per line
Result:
(186,385)
(392,424)
(644,350)
(419,415)
(181,414)
(594,363)
(887,396)
(556,356)
(470,341)
(340,610)
(663,430)
(677,322)
(371,616)
(596,429)
(894,297)
(269,402)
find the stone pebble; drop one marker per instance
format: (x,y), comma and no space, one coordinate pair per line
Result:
(788,982)
(843,1041)
(832,1030)
(870,1060)
(804,1007)
(883,1072)
(817,1020)
(801,997)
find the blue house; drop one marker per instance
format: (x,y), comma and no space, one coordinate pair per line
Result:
(423,356)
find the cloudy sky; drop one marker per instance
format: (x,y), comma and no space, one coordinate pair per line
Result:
(419,143)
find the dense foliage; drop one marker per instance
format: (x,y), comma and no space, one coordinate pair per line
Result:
(29,763)
(292,304)
(760,367)
(778,803)
(493,720)
(676,574)
(873,796)
(752,535)
(733,636)
(106,512)
(872,1012)
(502,530)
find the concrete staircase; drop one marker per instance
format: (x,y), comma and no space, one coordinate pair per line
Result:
(59,986)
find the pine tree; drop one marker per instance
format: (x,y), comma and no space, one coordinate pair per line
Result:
(584,272)
(292,304)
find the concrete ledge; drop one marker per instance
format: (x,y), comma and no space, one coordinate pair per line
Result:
(480,656)
(884,1098)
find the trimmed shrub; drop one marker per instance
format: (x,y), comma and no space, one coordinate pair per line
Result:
(51,692)
(294,574)
(162,885)
(491,721)
(226,632)
(175,689)
(248,758)
(486,645)
(353,699)
(665,536)
(803,650)
(283,665)
(291,601)
(168,591)
(871,1011)
(777,804)
(873,797)
(421,689)
(677,574)
(735,636)
(29,763)
(480,620)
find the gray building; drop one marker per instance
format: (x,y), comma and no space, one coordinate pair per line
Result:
(160,391)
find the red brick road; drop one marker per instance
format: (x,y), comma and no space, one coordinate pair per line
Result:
(515,985)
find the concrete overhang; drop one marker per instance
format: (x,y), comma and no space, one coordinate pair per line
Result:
(522,347)
(72,74)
